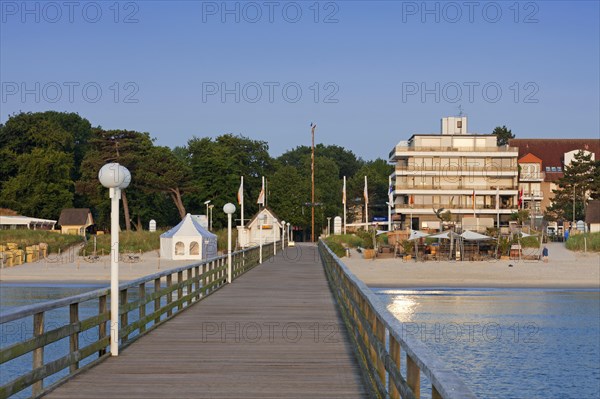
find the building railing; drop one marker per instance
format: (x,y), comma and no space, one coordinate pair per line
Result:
(450,206)
(452,149)
(533,176)
(144,304)
(378,341)
(457,186)
(455,168)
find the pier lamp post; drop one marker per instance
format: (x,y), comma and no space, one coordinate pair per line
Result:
(260,229)
(328,226)
(116,178)
(274,237)
(282,234)
(229,209)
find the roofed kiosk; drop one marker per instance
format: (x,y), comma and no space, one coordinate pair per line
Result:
(188,240)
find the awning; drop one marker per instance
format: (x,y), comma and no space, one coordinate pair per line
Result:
(472,236)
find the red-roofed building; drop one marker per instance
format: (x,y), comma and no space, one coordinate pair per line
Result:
(551,156)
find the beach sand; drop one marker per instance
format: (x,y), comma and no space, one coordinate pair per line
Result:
(565,269)
(71,269)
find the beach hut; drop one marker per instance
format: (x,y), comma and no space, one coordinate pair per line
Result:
(188,241)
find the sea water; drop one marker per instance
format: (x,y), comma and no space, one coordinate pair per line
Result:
(508,343)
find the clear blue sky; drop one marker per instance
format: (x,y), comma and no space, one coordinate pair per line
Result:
(173,56)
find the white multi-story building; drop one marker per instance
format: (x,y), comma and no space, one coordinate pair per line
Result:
(466,174)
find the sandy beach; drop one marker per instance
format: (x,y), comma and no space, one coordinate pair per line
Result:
(565,269)
(71,269)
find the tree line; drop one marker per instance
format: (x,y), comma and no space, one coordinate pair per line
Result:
(50,161)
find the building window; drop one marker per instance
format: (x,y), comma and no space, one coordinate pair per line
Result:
(194,248)
(459,124)
(179,248)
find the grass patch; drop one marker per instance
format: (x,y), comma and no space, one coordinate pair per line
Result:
(26,237)
(132,241)
(222,239)
(336,247)
(576,242)
(349,240)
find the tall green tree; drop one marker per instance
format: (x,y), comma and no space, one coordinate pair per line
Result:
(42,186)
(578,184)
(377,172)
(217,165)
(503,135)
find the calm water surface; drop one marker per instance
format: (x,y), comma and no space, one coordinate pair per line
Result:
(503,343)
(509,343)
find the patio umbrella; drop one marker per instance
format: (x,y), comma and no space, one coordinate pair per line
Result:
(416,234)
(472,236)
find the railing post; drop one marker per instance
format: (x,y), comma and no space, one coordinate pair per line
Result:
(179,291)
(380,334)
(124,316)
(205,268)
(413,376)
(142,308)
(190,286)
(157,300)
(38,353)
(102,326)
(197,284)
(170,294)
(395,355)
(74,338)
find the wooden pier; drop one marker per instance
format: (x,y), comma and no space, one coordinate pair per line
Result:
(274,333)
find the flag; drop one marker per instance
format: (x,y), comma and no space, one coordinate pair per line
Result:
(473,199)
(366,192)
(240,194)
(344,192)
(520,202)
(411,199)
(391,194)
(261,196)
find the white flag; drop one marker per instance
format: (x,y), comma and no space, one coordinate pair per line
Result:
(240,194)
(344,192)
(261,196)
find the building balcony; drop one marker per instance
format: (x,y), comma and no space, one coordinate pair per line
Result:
(539,176)
(534,195)
(455,170)
(399,190)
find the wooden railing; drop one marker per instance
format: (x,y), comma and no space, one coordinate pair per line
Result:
(378,342)
(145,303)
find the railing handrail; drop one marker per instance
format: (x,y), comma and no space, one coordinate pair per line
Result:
(185,285)
(447,383)
(29,310)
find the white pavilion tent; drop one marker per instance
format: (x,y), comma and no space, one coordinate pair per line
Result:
(188,241)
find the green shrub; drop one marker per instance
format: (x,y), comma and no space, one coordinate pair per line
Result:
(349,240)
(336,247)
(25,238)
(576,242)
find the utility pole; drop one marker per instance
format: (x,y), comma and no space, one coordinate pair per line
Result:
(312,180)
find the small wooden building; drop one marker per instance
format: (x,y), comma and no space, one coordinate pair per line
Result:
(75,221)
(264,227)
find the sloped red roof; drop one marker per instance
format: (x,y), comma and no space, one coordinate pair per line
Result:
(551,151)
(530,158)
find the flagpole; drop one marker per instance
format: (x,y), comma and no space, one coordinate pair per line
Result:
(242,201)
(498,208)
(312,184)
(390,199)
(344,197)
(366,205)
(263,190)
